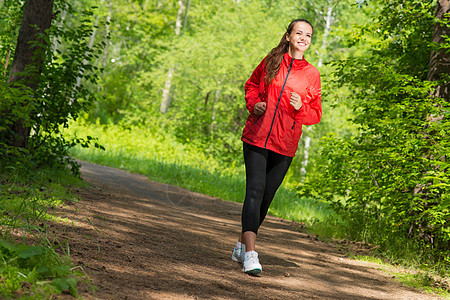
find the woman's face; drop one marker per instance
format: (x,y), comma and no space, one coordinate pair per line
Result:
(299,39)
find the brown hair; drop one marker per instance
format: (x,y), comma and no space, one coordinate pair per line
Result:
(275,57)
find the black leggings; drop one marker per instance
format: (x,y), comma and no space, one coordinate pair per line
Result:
(265,170)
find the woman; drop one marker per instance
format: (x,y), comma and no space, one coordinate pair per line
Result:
(282,94)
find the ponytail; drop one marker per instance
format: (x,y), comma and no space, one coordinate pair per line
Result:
(275,56)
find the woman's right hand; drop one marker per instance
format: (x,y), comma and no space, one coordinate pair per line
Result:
(259,108)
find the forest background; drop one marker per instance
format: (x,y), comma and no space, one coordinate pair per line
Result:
(159,85)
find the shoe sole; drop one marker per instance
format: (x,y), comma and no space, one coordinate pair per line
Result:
(253,272)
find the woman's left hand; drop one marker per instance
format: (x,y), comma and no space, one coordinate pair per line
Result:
(296,101)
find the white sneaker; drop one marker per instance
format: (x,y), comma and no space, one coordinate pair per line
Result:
(251,263)
(238,253)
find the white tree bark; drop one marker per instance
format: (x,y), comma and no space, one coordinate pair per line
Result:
(305,154)
(91,42)
(185,16)
(107,29)
(213,113)
(55,43)
(328,23)
(306,134)
(8,57)
(164,107)
(440,60)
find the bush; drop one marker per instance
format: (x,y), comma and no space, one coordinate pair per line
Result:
(391,177)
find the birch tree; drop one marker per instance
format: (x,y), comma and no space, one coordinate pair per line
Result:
(90,44)
(166,90)
(329,18)
(440,59)
(107,29)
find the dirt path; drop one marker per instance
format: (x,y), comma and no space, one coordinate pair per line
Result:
(138,239)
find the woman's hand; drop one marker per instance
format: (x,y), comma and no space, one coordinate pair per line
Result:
(296,101)
(259,108)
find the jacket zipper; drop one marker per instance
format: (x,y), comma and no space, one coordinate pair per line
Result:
(279,98)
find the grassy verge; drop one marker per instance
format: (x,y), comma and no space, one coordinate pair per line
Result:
(34,264)
(413,277)
(161,158)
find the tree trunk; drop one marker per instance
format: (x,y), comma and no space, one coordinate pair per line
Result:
(440,60)
(8,56)
(212,126)
(166,92)
(185,16)
(55,42)
(108,28)
(328,23)
(29,56)
(326,32)
(164,107)
(305,154)
(90,43)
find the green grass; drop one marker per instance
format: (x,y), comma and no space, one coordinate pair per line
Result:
(424,280)
(161,158)
(31,266)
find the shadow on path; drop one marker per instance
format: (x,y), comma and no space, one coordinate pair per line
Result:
(138,239)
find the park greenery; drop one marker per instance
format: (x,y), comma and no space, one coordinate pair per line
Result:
(156,87)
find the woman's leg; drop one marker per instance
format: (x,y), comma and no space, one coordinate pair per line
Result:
(265,171)
(255,160)
(277,167)
(255,169)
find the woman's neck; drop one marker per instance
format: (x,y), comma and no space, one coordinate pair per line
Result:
(295,54)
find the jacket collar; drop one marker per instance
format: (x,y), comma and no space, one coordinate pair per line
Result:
(298,64)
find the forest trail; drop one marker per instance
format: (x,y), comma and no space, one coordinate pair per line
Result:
(139,239)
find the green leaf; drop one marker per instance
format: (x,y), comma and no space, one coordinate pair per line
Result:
(62,270)
(42,269)
(61,284)
(8,246)
(30,252)
(66,284)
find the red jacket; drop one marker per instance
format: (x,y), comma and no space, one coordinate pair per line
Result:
(280,127)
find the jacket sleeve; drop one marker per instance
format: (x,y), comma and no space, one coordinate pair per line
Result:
(253,86)
(311,111)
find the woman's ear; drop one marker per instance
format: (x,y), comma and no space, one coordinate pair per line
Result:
(287,37)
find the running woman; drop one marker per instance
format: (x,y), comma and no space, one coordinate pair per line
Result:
(282,94)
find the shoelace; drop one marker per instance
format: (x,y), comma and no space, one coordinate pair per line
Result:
(253,259)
